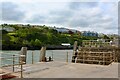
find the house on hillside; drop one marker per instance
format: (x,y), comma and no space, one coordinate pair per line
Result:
(62,30)
(89,33)
(8,28)
(65,30)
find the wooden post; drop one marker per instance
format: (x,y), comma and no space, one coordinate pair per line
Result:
(21,70)
(32,58)
(24,52)
(100,59)
(83,56)
(111,58)
(79,47)
(21,63)
(114,55)
(103,58)
(19,60)
(13,63)
(75,46)
(52,56)
(67,58)
(74,51)
(43,54)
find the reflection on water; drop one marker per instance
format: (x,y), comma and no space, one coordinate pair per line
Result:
(58,55)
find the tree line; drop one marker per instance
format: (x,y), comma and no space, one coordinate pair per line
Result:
(34,37)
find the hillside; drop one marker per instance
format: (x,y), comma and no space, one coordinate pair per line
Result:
(36,36)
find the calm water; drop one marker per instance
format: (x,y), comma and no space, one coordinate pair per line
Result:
(58,55)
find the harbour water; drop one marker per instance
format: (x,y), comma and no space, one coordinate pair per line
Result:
(58,55)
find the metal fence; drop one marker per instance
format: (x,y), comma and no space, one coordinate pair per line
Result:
(15,60)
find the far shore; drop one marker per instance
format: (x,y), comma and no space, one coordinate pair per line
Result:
(38,48)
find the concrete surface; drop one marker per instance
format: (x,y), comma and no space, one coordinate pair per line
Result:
(70,70)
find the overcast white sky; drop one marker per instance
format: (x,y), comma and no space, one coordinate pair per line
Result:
(94,15)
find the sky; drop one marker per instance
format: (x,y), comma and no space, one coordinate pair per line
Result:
(84,15)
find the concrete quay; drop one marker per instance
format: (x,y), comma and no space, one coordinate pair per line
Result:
(69,70)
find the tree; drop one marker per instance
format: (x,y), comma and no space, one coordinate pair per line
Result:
(106,38)
(25,42)
(4,31)
(37,42)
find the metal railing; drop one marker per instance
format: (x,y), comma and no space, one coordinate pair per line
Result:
(12,57)
(65,57)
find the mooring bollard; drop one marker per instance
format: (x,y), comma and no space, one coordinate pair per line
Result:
(32,58)
(67,58)
(13,63)
(24,52)
(43,54)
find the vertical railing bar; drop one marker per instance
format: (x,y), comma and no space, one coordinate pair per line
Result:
(13,63)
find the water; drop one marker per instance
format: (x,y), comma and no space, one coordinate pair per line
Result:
(58,55)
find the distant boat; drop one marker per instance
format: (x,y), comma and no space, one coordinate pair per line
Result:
(65,44)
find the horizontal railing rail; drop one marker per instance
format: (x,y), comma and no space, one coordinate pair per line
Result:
(14,62)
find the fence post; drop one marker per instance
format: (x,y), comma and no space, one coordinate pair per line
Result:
(13,62)
(103,59)
(21,70)
(19,60)
(21,63)
(67,58)
(74,51)
(52,56)
(114,56)
(32,58)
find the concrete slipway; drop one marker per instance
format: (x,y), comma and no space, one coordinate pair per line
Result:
(68,70)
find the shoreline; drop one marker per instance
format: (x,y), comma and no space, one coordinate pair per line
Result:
(59,47)
(40,48)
